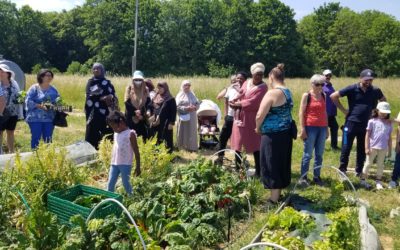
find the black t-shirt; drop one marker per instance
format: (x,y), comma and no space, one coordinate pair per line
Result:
(361,103)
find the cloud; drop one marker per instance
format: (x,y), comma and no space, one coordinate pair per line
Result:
(49,5)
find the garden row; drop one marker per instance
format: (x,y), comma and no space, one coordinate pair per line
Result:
(189,206)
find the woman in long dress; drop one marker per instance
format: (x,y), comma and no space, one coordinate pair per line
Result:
(137,106)
(164,115)
(246,105)
(187,105)
(100,99)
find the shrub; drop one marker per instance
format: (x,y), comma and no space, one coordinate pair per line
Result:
(154,159)
(216,69)
(47,170)
(74,68)
(36,68)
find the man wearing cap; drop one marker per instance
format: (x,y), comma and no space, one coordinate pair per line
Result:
(362,98)
(331,109)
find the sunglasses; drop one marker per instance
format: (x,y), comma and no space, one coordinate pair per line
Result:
(318,84)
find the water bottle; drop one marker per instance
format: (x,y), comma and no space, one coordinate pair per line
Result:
(345,131)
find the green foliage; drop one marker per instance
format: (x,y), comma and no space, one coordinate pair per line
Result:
(282,238)
(104,153)
(74,68)
(89,201)
(343,233)
(154,159)
(36,68)
(289,219)
(186,208)
(280,228)
(216,69)
(327,199)
(346,42)
(47,170)
(43,231)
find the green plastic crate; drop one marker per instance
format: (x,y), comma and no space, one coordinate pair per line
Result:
(61,203)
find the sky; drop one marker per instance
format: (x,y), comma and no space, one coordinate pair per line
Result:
(300,7)
(305,7)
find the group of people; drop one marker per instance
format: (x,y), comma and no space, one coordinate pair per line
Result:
(149,111)
(257,120)
(367,119)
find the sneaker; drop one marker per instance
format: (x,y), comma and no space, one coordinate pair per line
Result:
(318,181)
(365,184)
(304,182)
(379,185)
(392,184)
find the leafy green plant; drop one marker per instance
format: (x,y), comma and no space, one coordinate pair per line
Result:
(20,97)
(89,201)
(104,154)
(343,233)
(282,237)
(43,230)
(289,219)
(47,170)
(330,199)
(155,159)
(187,209)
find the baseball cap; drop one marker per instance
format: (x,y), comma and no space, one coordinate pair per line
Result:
(383,107)
(367,74)
(327,72)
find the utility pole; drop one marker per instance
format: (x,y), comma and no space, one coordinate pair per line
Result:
(135,46)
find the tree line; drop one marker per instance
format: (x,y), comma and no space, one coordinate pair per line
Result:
(203,37)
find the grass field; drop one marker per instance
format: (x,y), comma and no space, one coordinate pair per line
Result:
(72,90)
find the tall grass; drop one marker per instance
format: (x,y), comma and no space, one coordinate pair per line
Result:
(72,87)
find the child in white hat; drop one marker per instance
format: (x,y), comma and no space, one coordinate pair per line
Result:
(378,142)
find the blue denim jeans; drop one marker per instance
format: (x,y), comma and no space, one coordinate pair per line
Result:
(316,137)
(40,130)
(396,170)
(125,171)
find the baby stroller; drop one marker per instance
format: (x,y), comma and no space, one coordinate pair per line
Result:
(208,116)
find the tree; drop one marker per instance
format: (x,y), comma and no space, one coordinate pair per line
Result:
(383,34)
(314,30)
(274,38)
(8,27)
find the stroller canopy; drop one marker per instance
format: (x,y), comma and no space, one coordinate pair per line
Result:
(209,108)
(19,74)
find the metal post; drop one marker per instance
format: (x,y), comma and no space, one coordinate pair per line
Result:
(135,46)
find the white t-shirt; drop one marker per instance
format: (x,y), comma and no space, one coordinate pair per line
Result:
(231,93)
